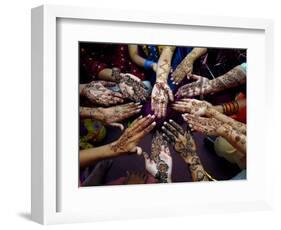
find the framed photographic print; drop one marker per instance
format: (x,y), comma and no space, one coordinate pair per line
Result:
(139,114)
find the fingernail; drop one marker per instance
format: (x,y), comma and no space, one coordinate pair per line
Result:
(149,115)
(140,116)
(138,110)
(154,123)
(170,120)
(137,103)
(165,123)
(153,116)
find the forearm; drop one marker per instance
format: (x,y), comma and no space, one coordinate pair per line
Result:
(92,113)
(196,53)
(92,155)
(196,168)
(136,58)
(232,78)
(235,138)
(164,64)
(189,155)
(236,125)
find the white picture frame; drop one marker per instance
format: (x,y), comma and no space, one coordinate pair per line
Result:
(46,90)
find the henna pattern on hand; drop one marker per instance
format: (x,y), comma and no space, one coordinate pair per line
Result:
(199,87)
(160,96)
(161,167)
(193,106)
(182,140)
(133,134)
(184,144)
(97,93)
(208,126)
(132,88)
(157,145)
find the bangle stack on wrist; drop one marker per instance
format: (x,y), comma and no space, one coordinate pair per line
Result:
(230,108)
(148,64)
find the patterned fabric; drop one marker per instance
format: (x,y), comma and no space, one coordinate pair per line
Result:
(91,131)
(96,57)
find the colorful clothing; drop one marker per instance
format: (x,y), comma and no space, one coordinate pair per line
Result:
(96,57)
(91,131)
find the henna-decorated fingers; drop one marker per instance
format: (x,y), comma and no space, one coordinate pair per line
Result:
(169,134)
(177,126)
(171,129)
(170,93)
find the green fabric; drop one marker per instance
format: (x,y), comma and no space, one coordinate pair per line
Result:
(244,66)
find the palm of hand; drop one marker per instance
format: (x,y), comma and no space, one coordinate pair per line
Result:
(193,106)
(160,96)
(163,165)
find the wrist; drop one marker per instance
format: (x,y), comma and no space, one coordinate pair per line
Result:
(190,58)
(211,111)
(114,149)
(98,113)
(218,108)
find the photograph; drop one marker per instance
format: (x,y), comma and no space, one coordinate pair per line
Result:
(154,114)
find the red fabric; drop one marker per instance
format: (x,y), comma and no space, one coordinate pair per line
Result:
(242,114)
(97,57)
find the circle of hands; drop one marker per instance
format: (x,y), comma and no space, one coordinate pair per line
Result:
(198,114)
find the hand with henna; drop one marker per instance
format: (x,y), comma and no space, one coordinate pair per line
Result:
(161,168)
(215,127)
(132,87)
(185,146)
(97,93)
(200,86)
(193,106)
(160,97)
(133,134)
(184,69)
(111,115)
(208,126)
